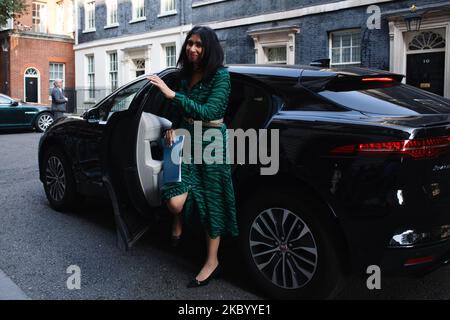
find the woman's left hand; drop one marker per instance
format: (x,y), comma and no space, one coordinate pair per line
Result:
(166,91)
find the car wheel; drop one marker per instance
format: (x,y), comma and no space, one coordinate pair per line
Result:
(289,246)
(59,182)
(43,121)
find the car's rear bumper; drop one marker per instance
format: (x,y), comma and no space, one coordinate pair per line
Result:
(416,260)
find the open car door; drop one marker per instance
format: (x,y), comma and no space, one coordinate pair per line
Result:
(132,159)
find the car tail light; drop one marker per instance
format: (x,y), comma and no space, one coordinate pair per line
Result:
(416,261)
(378,79)
(416,148)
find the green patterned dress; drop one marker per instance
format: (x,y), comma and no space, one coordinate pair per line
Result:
(210,203)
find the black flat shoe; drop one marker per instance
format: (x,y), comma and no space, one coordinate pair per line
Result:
(194,283)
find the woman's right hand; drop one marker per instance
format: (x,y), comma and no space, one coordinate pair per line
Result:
(169,137)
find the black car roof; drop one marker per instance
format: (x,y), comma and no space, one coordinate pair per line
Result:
(295,71)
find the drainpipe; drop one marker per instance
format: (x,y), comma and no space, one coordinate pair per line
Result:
(76,21)
(182,20)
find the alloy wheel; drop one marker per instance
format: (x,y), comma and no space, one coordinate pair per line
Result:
(44,122)
(55,178)
(283,248)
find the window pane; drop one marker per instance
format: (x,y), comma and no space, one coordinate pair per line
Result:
(168,5)
(356,52)
(335,55)
(346,40)
(356,39)
(277,54)
(335,41)
(345,55)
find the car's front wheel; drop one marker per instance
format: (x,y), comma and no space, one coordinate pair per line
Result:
(43,121)
(59,182)
(289,246)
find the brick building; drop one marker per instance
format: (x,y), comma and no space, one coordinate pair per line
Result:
(36,49)
(118,40)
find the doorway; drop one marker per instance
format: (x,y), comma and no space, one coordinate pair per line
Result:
(31,84)
(426,71)
(425,60)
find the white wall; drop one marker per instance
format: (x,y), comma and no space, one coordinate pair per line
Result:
(148,46)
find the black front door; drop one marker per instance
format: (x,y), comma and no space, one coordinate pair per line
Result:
(31,89)
(426,71)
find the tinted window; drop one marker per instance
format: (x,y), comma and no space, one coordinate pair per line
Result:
(158,105)
(249,106)
(121,100)
(391,100)
(303,100)
(295,97)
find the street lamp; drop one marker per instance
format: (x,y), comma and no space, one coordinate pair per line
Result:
(413,19)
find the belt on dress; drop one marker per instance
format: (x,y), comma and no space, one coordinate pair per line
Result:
(213,123)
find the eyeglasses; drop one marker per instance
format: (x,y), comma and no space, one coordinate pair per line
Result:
(190,43)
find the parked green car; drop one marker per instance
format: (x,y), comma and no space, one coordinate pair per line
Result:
(14,114)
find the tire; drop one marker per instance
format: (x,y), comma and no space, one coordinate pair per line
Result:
(43,121)
(59,182)
(314,272)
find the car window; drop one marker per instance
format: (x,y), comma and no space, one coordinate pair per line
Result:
(158,105)
(298,98)
(4,100)
(391,100)
(121,100)
(249,106)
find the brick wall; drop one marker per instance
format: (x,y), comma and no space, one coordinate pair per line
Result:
(38,53)
(27,18)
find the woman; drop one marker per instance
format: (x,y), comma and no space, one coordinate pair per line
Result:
(205,196)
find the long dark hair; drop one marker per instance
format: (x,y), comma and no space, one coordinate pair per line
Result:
(212,54)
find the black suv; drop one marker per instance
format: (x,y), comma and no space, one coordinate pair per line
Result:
(363,179)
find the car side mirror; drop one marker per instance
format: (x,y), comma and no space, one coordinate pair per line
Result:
(91,115)
(14,103)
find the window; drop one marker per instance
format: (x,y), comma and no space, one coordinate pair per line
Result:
(31,72)
(120,101)
(345,48)
(39,17)
(139,66)
(170,51)
(167,6)
(138,9)
(56,72)
(398,99)
(89,12)
(111,8)
(113,70)
(276,54)
(91,76)
(223,45)
(59,18)
(275,45)
(249,106)
(428,40)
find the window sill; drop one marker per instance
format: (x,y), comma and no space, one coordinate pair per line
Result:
(114,25)
(205,3)
(90,102)
(89,30)
(337,64)
(137,20)
(168,13)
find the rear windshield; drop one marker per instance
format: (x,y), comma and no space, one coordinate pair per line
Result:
(391,100)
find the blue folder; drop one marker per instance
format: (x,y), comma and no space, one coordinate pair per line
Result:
(172,167)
